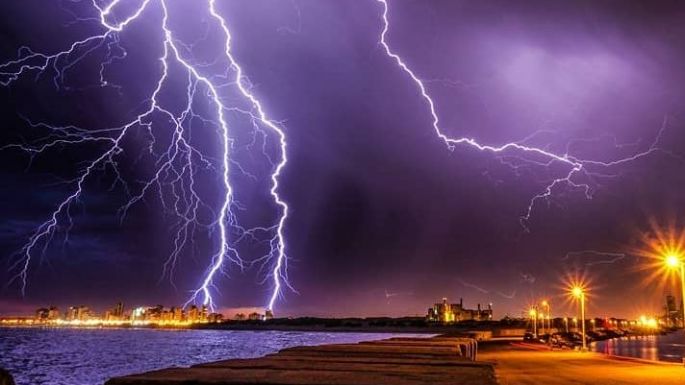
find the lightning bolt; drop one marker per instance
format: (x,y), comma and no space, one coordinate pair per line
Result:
(576,167)
(614,257)
(177,163)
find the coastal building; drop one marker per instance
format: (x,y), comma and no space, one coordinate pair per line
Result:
(53,313)
(77,313)
(177,314)
(116,313)
(672,315)
(215,317)
(446,312)
(42,314)
(193,313)
(155,315)
(255,316)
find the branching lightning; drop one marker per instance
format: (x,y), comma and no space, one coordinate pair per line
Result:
(179,161)
(576,167)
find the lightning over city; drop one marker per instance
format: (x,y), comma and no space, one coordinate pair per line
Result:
(308,165)
(178,161)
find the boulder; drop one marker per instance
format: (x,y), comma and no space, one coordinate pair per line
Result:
(6,377)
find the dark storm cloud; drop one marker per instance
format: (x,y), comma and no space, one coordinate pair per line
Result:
(376,198)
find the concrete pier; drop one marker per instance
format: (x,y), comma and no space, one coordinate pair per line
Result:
(394,361)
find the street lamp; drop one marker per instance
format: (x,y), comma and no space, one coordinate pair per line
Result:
(578,292)
(545,303)
(675,261)
(566,323)
(534,317)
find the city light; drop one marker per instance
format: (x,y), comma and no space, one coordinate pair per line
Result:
(673,260)
(663,249)
(577,291)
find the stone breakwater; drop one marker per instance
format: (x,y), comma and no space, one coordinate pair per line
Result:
(394,361)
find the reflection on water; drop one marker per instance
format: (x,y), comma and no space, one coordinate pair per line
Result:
(670,347)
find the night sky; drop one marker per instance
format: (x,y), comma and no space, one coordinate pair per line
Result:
(384,218)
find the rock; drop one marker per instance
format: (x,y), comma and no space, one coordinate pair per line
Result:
(6,377)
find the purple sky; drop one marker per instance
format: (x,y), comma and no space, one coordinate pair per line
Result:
(385,220)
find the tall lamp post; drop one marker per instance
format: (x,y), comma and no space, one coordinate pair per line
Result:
(676,261)
(534,317)
(579,293)
(545,304)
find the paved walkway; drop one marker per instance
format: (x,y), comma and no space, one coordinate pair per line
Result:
(522,366)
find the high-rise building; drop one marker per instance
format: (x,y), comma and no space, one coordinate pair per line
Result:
(77,313)
(177,314)
(53,313)
(42,314)
(193,313)
(118,310)
(672,315)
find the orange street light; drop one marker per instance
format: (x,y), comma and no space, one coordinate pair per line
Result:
(675,261)
(534,317)
(578,292)
(545,304)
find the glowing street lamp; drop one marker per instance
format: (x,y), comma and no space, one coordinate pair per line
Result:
(578,292)
(545,304)
(675,261)
(534,317)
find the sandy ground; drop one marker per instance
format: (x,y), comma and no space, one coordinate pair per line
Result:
(518,365)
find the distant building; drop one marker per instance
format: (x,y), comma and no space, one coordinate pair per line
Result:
(53,313)
(116,313)
(672,315)
(240,317)
(77,313)
(255,316)
(177,314)
(215,317)
(193,313)
(42,314)
(454,312)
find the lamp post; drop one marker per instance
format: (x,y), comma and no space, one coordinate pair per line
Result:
(534,317)
(579,293)
(675,261)
(566,323)
(545,303)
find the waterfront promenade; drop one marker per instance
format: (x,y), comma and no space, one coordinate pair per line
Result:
(519,365)
(412,361)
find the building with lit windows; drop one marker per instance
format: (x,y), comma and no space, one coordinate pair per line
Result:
(454,312)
